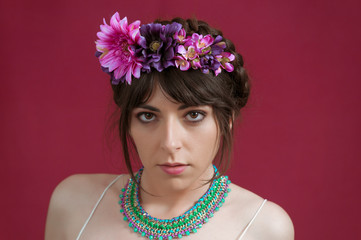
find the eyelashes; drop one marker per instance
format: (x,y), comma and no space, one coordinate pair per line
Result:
(146,117)
(195,116)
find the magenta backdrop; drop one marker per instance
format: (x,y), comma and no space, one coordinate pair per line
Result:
(298,144)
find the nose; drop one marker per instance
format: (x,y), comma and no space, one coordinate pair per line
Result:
(171,135)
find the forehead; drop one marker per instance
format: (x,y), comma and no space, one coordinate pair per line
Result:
(159,96)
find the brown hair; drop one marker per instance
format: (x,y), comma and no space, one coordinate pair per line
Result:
(227,93)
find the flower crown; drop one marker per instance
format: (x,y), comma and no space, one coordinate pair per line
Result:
(126,50)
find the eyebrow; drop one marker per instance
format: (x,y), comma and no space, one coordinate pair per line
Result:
(154,109)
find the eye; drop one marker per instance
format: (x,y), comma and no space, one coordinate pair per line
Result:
(146,117)
(195,116)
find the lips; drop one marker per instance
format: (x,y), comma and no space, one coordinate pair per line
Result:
(173,168)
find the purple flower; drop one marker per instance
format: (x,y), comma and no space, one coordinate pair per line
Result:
(157,45)
(115,49)
(218,46)
(209,62)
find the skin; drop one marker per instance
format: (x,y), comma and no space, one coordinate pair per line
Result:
(164,132)
(168,133)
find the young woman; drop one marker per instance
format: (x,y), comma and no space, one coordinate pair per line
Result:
(179,86)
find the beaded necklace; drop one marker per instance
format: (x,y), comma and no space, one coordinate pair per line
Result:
(166,229)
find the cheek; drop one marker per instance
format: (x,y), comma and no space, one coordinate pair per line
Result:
(141,141)
(205,141)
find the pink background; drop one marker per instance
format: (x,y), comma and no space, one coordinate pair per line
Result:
(298,144)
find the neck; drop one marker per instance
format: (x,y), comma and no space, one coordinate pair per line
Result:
(162,200)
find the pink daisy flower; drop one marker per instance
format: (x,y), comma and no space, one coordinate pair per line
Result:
(116,45)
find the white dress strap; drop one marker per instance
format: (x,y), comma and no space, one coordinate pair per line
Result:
(96,205)
(254,217)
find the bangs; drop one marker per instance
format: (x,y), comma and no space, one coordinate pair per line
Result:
(190,87)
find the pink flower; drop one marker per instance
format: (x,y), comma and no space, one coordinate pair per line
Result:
(224,58)
(180,36)
(116,44)
(202,44)
(182,63)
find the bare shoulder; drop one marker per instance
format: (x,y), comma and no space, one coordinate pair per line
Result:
(72,201)
(272,221)
(276,222)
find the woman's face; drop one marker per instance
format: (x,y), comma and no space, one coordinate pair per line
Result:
(175,142)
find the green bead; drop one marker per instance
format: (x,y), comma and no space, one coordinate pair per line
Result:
(125,218)
(122,210)
(217,209)
(187,233)
(160,238)
(170,238)
(143,234)
(180,236)
(206,220)
(194,230)
(151,237)
(228,181)
(135,229)
(123,189)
